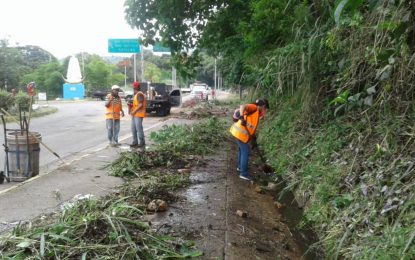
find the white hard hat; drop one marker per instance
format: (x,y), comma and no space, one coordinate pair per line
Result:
(115,87)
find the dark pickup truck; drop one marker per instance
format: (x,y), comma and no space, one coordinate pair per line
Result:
(100,94)
(160,97)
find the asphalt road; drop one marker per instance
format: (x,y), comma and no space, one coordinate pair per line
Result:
(77,126)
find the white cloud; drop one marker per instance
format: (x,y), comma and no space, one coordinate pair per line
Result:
(64,27)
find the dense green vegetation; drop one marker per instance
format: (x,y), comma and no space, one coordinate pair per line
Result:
(21,65)
(339,75)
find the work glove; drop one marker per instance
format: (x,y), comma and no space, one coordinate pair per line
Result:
(243,121)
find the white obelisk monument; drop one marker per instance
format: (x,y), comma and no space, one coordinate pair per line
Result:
(73,87)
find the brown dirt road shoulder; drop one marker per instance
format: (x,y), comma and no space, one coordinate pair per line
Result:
(206,214)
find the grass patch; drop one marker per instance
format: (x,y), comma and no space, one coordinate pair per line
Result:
(175,147)
(42,111)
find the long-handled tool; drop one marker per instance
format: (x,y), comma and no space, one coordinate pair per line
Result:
(113,123)
(35,137)
(266,168)
(256,148)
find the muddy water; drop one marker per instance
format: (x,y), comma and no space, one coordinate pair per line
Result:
(200,214)
(291,212)
(207,215)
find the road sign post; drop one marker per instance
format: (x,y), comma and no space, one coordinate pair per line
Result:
(123,46)
(158,47)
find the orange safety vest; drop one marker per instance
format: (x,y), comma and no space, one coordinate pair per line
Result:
(114,109)
(244,133)
(142,111)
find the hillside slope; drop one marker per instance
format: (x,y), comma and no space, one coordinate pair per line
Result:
(341,130)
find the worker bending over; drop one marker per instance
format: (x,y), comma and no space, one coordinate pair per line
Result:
(244,131)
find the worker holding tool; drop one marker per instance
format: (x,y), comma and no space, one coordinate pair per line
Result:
(138,112)
(244,131)
(114,110)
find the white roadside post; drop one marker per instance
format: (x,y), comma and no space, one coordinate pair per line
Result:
(173,77)
(214,88)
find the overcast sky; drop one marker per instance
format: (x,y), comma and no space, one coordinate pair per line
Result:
(64,27)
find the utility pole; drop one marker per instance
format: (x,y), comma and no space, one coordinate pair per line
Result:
(215,76)
(135,67)
(142,64)
(125,75)
(173,77)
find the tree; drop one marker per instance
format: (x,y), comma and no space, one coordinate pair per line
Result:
(98,74)
(48,78)
(206,71)
(11,66)
(152,73)
(189,27)
(237,31)
(177,23)
(162,62)
(20,65)
(35,56)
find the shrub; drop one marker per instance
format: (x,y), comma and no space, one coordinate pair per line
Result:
(6,100)
(22,100)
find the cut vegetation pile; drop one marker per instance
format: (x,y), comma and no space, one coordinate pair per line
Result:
(113,227)
(207,109)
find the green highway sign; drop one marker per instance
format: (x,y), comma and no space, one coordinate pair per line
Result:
(158,47)
(123,46)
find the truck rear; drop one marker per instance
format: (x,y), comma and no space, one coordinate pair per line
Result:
(160,97)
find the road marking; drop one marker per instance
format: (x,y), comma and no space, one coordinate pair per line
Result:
(20,184)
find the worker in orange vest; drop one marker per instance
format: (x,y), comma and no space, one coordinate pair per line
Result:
(114,111)
(244,131)
(138,112)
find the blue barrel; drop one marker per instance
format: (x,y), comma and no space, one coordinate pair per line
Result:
(23,155)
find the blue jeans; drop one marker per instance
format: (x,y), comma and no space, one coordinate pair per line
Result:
(243,157)
(113,131)
(137,130)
